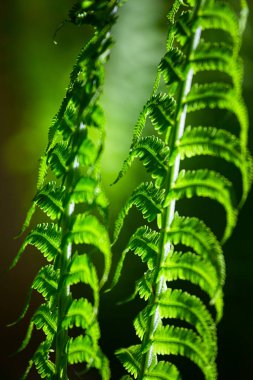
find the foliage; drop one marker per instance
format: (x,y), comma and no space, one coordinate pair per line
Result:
(77,208)
(201,70)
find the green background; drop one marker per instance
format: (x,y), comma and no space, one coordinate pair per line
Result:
(34,75)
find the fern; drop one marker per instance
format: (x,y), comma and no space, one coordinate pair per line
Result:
(190,51)
(67,241)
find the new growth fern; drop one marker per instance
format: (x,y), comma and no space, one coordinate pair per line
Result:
(203,43)
(184,87)
(77,207)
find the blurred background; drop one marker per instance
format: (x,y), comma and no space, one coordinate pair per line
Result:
(33,76)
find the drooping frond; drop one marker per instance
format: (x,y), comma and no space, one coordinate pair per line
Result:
(46,238)
(183,252)
(82,270)
(219,96)
(206,183)
(72,159)
(172,340)
(130,358)
(161,371)
(218,143)
(147,198)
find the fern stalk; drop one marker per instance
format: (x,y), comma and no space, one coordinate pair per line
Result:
(189,52)
(64,294)
(75,143)
(168,213)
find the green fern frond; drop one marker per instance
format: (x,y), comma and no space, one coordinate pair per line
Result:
(87,229)
(58,159)
(88,190)
(172,66)
(190,267)
(46,237)
(82,350)
(81,314)
(41,361)
(43,169)
(152,152)
(193,233)
(82,270)
(172,340)
(217,143)
(215,56)
(219,96)
(161,371)
(46,282)
(72,155)
(147,198)
(130,358)
(219,15)
(44,366)
(161,111)
(206,183)
(49,199)
(141,321)
(191,53)
(181,305)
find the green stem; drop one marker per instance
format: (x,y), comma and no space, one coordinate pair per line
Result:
(169,212)
(64,296)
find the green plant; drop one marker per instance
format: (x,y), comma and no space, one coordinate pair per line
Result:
(184,86)
(77,207)
(75,202)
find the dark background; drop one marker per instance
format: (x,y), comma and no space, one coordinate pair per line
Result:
(33,76)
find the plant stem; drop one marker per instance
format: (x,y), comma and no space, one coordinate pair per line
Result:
(169,212)
(64,296)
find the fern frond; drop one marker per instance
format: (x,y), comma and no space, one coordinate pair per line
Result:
(46,282)
(193,233)
(43,169)
(141,321)
(130,358)
(87,153)
(162,371)
(152,152)
(219,96)
(172,66)
(40,359)
(87,229)
(44,366)
(190,54)
(218,143)
(87,190)
(58,159)
(46,238)
(82,314)
(190,267)
(206,183)
(219,15)
(49,199)
(147,198)
(172,340)
(44,319)
(82,269)
(82,350)
(161,111)
(181,305)
(217,56)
